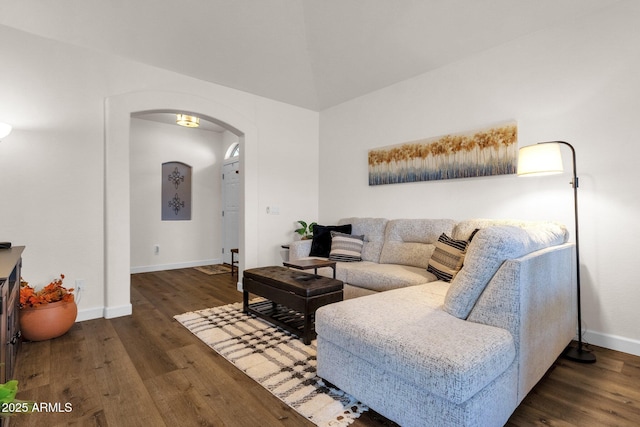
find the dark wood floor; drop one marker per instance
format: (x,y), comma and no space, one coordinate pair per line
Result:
(147,370)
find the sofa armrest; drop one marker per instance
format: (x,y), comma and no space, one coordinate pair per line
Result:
(533,298)
(299,249)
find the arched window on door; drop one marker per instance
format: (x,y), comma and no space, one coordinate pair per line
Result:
(233,151)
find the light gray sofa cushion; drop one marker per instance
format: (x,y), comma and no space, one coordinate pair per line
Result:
(412,241)
(487,251)
(383,277)
(463,229)
(373,231)
(421,344)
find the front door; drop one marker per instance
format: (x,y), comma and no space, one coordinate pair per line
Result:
(230,208)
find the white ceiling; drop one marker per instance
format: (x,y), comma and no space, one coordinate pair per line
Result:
(310,53)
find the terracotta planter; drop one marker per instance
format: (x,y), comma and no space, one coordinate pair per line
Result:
(47,321)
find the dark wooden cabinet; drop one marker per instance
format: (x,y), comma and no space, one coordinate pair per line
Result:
(10,265)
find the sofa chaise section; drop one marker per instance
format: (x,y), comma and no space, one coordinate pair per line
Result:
(460,359)
(416,365)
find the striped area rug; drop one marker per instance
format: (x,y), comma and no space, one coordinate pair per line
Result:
(277,360)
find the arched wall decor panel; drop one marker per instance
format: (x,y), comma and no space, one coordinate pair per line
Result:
(176,191)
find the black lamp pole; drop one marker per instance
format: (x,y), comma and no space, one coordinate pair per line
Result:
(577,354)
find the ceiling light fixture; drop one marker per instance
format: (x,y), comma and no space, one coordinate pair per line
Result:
(188,121)
(5,129)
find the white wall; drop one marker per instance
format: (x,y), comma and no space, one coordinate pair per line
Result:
(576,82)
(197,241)
(54,161)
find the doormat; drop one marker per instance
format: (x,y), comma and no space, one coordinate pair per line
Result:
(214,269)
(274,358)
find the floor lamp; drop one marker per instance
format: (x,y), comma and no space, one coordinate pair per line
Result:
(544,158)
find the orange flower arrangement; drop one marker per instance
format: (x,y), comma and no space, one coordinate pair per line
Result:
(53,292)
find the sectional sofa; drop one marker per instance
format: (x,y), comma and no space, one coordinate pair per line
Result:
(465,352)
(395,253)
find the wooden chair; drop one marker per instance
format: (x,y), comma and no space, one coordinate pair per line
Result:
(234,262)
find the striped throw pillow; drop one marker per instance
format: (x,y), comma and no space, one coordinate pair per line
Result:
(345,247)
(447,257)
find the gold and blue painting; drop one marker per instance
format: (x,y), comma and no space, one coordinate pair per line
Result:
(176,191)
(484,152)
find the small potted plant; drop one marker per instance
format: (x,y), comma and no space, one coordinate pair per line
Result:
(305,231)
(48,312)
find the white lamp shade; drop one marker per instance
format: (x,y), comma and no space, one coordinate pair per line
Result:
(539,159)
(5,130)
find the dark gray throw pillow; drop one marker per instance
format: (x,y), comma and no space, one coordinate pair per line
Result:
(321,243)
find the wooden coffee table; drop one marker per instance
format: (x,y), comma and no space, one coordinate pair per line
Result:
(311,263)
(293,297)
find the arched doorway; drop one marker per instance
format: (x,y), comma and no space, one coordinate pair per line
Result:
(118,111)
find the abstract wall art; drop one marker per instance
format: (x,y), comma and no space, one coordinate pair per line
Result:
(483,152)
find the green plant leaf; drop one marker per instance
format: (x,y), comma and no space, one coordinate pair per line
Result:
(302,230)
(8,391)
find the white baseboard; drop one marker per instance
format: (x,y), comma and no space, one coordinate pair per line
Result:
(613,342)
(174,266)
(126,310)
(123,310)
(106,312)
(90,313)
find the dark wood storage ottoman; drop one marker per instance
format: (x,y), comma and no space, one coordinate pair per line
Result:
(294,297)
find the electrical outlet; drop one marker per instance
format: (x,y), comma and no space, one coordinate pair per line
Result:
(156,249)
(80,284)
